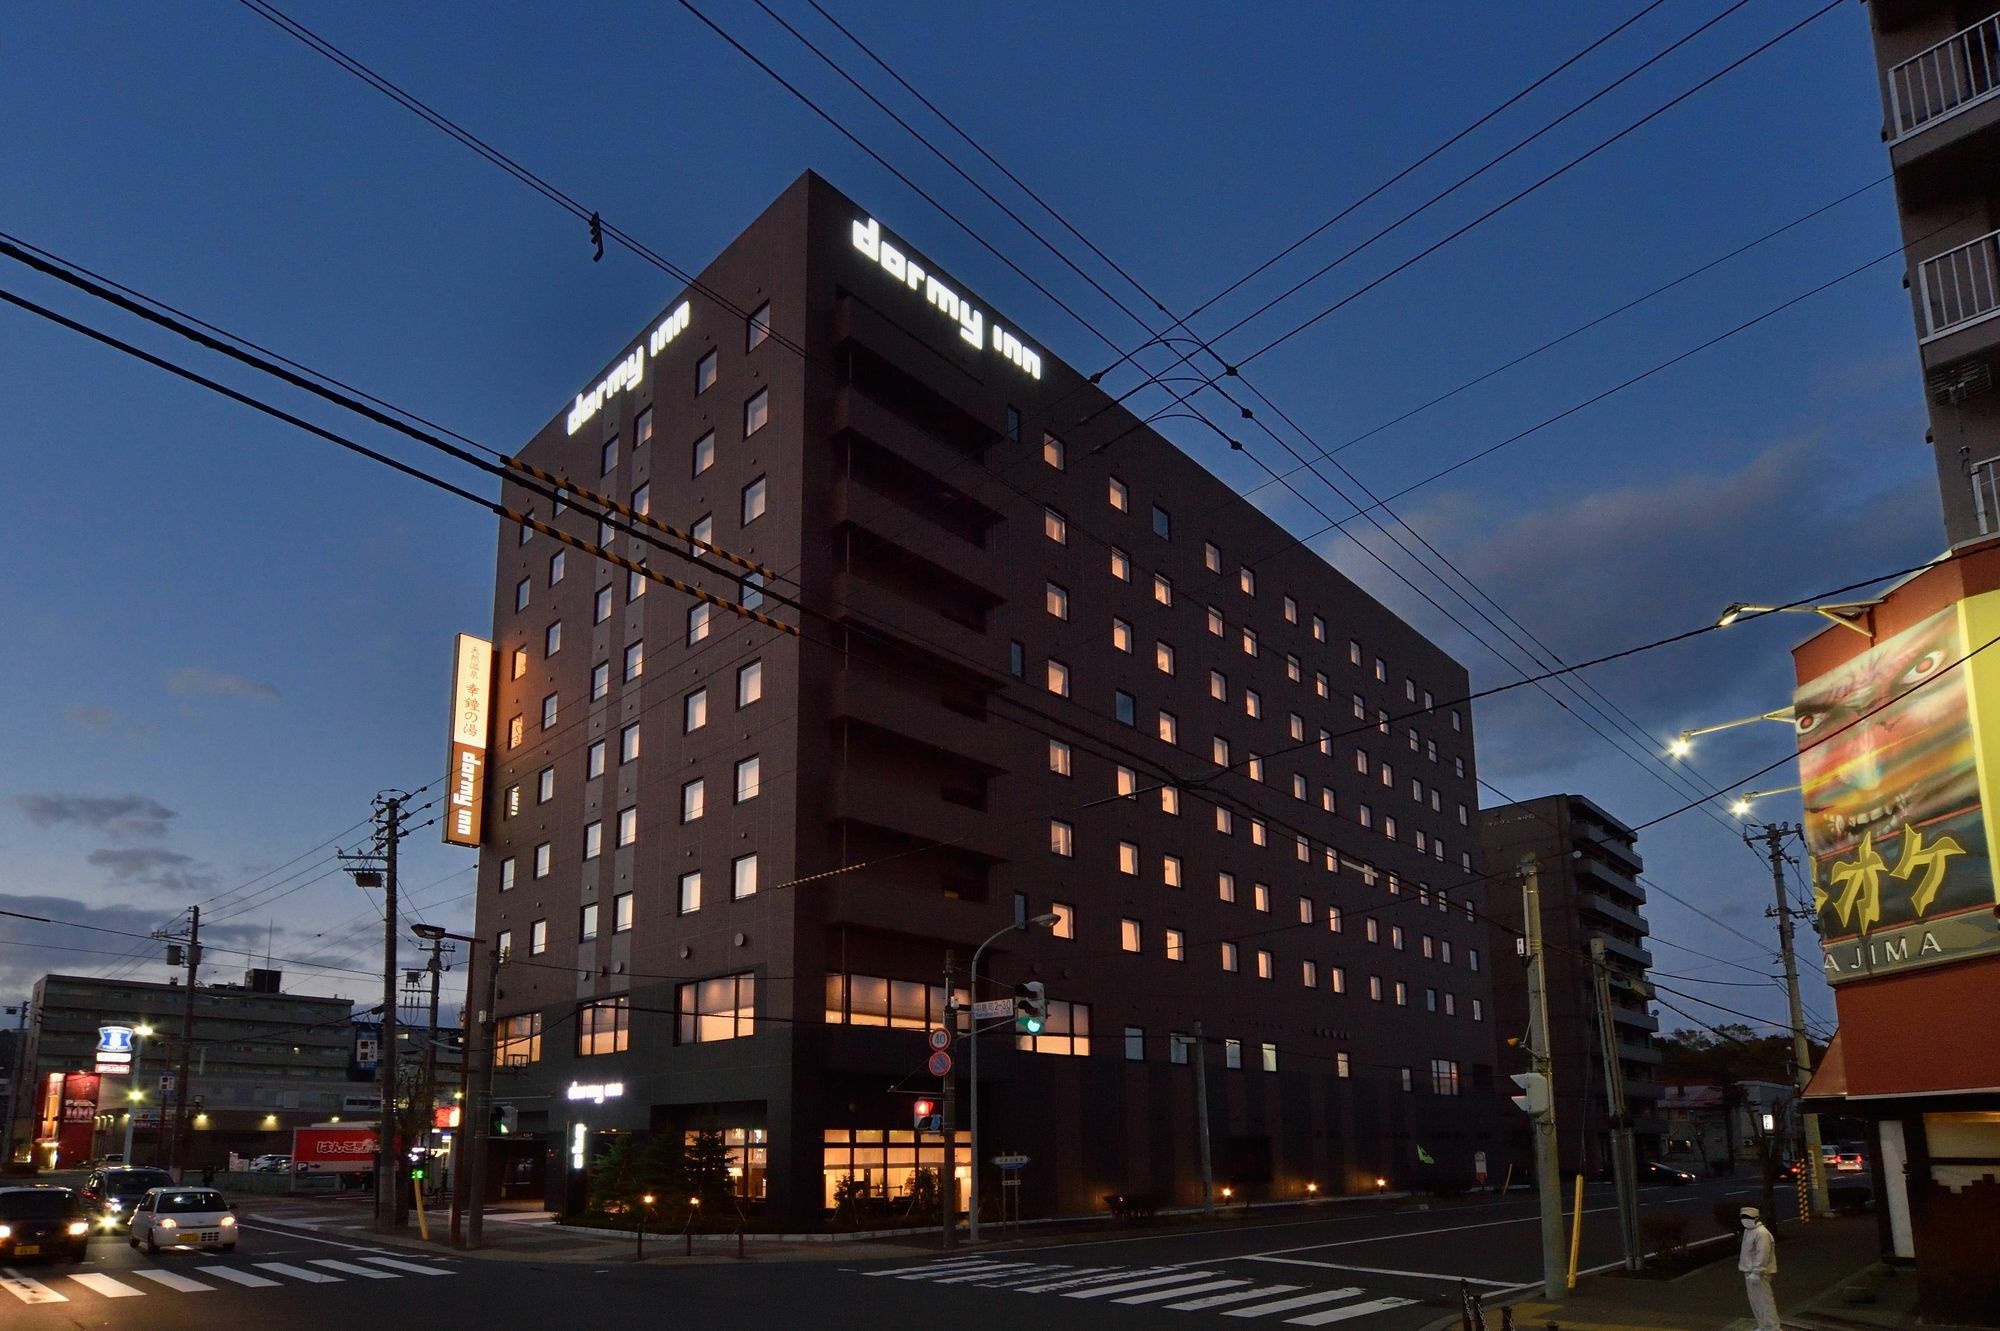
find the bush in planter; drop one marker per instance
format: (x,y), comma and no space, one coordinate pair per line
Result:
(1665,1235)
(1850,1200)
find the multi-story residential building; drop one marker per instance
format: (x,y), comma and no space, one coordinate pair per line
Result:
(1043,662)
(261,1063)
(1940,69)
(1590,890)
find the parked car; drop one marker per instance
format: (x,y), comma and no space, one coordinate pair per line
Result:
(183,1218)
(271,1164)
(43,1222)
(1851,1162)
(110,1194)
(1653,1172)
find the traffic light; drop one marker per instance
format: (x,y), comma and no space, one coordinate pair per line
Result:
(926,1117)
(500,1121)
(1031,1008)
(1534,1096)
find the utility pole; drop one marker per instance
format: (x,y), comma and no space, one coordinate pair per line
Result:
(948,1174)
(1201,1116)
(1548,1184)
(1774,836)
(1623,1166)
(178,1136)
(16,1075)
(481,1110)
(376,867)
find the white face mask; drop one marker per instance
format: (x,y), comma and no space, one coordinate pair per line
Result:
(1749,1222)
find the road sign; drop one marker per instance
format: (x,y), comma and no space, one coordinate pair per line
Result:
(939,1064)
(1011,1181)
(993,1007)
(940,1038)
(1009,1161)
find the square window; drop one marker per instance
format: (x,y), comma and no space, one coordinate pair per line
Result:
(743,877)
(690,893)
(704,374)
(1163,523)
(758,330)
(694,711)
(1121,498)
(704,453)
(749,683)
(749,778)
(753,501)
(1055,526)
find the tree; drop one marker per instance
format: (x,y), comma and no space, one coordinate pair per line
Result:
(704,1171)
(616,1179)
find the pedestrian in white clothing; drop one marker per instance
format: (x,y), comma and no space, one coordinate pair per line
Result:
(1759,1262)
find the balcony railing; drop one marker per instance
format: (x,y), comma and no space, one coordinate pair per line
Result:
(1960,286)
(1986,495)
(1958,72)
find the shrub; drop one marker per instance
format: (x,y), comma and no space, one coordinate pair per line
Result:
(1666,1235)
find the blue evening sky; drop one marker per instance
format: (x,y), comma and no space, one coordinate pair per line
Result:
(225,637)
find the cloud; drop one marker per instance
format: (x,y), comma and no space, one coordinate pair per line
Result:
(120,817)
(110,721)
(198,682)
(133,861)
(84,938)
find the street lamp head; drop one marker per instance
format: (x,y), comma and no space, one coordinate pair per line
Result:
(431,932)
(1046,920)
(1741,808)
(1731,613)
(142,1031)
(1681,746)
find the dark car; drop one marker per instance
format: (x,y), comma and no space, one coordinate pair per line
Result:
(43,1222)
(1653,1172)
(110,1194)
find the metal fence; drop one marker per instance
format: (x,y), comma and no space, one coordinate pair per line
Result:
(1960,286)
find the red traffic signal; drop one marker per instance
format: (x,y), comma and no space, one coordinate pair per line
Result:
(926,1117)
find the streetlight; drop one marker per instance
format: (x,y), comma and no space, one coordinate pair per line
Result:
(468,1167)
(1856,615)
(1740,806)
(1682,743)
(132,1092)
(639,1245)
(1046,920)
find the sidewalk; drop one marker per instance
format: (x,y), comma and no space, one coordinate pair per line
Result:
(1815,1263)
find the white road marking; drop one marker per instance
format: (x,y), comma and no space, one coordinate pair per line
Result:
(299,1273)
(1073,1276)
(1385,1271)
(105,1285)
(26,1290)
(350,1269)
(1177,1278)
(314,1238)
(1112,1273)
(1412,1234)
(1219,1300)
(1009,1268)
(1158,1295)
(1351,1310)
(963,1264)
(1296,1301)
(414,1268)
(173,1280)
(237,1277)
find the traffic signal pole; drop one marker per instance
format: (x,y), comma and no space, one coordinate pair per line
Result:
(478,1131)
(1548,1186)
(948,1173)
(1624,1168)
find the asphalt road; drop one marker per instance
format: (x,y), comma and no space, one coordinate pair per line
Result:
(1369,1270)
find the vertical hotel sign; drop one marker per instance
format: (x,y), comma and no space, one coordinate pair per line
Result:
(471,686)
(1898,749)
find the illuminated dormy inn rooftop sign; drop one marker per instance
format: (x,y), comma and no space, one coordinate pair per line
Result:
(630,371)
(971,322)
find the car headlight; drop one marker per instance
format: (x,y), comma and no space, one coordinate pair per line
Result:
(77,1227)
(167,1222)
(114,1205)
(227,1222)
(6,1231)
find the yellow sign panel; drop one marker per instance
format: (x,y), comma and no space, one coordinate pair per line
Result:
(465,781)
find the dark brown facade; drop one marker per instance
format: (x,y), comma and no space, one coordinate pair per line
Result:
(1589,884)
(1939,65)
(1014,604)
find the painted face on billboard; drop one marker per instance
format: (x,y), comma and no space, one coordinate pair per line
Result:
(1891,790)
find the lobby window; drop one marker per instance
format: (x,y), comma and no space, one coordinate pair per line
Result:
(1211,557)
(1121,498)
(753,501)
(1055,600)
(1052,451)
(1229,957)
(628,826)
(538,938)
(749,684)
(549,712)
(1135,1044)
(743,876)
(704,453)
(704,374)
(517,1041)
(1121,565)
(1176,945)
(694,711)
(1163,523)
(1058,678)
(1067,1031)
(1065,925)
(628,743)
(556,565)
(724,1008)
(544,860)
(1062,838)
(621,913)
(749,778)
(1163,589)
(1124,707)
(690,899)
(601,607)
(635,661)
(1055,526)
(586,925)
(600,680)
(593,840)
(522,591)
(552,639)
(694,800)
(758,330)
(698,617)
(1059,758)
(1129,936)
(1121,635)
(603,1027)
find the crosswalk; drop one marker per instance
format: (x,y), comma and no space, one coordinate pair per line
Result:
(1184,1288)
(138,1282)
